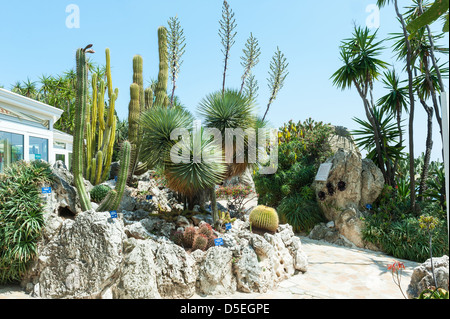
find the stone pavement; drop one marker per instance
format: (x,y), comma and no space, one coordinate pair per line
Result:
(334,272)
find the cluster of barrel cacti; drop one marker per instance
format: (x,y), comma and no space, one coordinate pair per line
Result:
(100,132)
(100,163)
(196,238)
(264,218)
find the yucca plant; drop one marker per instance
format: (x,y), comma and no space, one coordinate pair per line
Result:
(187,177)
(157,125)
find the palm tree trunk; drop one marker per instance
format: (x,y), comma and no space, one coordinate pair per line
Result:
(371,119)
(411,111)
(438,72)
(428,148)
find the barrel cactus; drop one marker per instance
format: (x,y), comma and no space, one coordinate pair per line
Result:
(200,242)
(264,218)
(99,192)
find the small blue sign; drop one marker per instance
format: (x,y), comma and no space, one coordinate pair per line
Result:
(37,156)
(149,197)
(228,226)
(113,214)
(218,241)
(46,190)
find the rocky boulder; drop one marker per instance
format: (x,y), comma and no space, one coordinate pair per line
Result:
(352,183)
(422,277)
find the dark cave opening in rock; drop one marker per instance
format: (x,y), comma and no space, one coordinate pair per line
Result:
(66,213)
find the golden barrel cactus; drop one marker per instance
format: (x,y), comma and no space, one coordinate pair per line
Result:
(265,218)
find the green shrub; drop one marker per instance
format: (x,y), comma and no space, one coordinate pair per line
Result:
(99,192)
(396,230)
(21,216)
(300,212)
(302,148)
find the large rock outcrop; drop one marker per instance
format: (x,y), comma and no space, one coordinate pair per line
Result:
(352,184)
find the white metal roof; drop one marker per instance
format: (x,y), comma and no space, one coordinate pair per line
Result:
(29,106)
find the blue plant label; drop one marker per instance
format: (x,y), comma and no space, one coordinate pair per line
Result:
(228,226)
(113,214)
(46,190)
(218,241)
(115,178)
(149,197)
(369,207)
(37,156)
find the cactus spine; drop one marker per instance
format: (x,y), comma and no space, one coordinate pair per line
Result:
(114,197)
(161,98)
(100,133)
(80,116)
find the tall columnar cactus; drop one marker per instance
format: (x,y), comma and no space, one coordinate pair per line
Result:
(161,98)
(80,116)
(100,127)
(114,197)
(148,93)
(265,218)
(135,108)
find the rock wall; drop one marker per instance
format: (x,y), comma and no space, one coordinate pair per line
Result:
(92,256)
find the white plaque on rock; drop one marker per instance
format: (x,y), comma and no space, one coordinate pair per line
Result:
(324,170)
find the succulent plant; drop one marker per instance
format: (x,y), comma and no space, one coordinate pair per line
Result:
(177,238)
(205,229)
(188,236)
(99,192)
(341,186)
(265,218)
(330,189)
(200,242)
(321,195)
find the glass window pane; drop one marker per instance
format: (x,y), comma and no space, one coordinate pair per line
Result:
(11,148)
(60,157)
(38,149)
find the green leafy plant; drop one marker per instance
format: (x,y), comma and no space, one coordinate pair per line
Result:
(302,213)
(21,216)
(433,293)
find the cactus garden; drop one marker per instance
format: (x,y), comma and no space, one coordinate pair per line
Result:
(182,168)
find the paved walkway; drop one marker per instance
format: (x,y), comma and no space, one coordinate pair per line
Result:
(334,272)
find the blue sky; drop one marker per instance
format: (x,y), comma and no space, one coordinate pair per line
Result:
(36,41)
